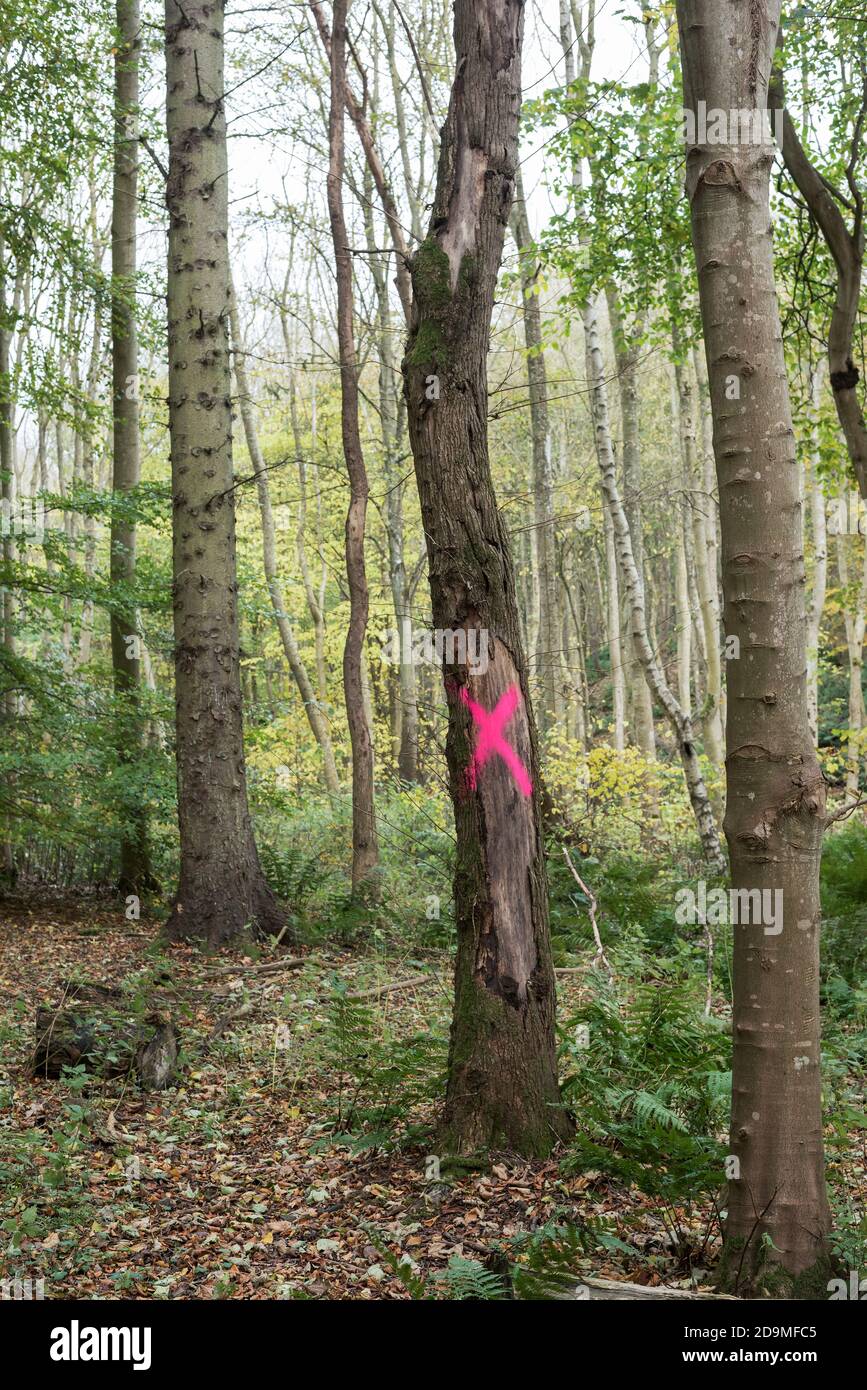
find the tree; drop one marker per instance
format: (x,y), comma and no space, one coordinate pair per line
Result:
(365,847)
(502,1084)
(135,871)
(221,888)
(778,1215)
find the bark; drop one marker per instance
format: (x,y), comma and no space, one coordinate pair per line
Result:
(775,812)
(502,1086)
(221,889)
(547,638)
(315,717)
(365,848)
(135,873)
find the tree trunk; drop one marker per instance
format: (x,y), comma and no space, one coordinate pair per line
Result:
(135,871)
(315,717)
(221,889)
(502,1086)
(365,848)
(775,811)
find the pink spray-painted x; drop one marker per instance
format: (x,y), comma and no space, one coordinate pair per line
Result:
(490,739)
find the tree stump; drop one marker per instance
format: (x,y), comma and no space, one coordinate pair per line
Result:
(95,1026)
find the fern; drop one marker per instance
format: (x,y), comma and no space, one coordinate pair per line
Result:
(651,1109)
(468,1279)
(383,1081)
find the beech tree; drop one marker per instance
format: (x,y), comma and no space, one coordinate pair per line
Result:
(221,888)
(502,1084)
(778,1216)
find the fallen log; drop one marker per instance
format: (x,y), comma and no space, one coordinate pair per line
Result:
(95,1026)
(593,1288)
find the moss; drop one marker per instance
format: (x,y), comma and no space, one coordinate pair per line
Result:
(764,1277)
(432,276)
(428,348)
(467,274)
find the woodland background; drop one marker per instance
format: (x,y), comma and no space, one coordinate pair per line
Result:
(291,1156)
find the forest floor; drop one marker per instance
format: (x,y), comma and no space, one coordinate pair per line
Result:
(234,1183)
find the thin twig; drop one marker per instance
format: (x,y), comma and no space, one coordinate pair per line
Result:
(600,950)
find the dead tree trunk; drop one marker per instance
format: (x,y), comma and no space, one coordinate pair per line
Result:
(502,1086)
